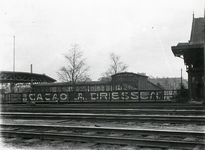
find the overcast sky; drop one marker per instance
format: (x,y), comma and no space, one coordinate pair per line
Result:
(140,31)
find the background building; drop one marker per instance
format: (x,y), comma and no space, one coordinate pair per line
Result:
(118,82)
(170,83)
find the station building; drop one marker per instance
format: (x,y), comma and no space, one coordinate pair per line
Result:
(192,52)
(20,82)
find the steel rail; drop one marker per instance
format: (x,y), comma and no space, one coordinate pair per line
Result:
(157,118)
(113,105)
(91,114)
(136,111)
(99,115)
(109,129)
(106,139)
(139,106)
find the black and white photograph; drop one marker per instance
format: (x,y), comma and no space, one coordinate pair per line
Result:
(102,74)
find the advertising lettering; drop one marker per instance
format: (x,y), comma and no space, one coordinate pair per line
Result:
(93,96)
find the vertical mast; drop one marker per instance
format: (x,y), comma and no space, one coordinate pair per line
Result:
(14,56)
(204,55)
(31,68)
(13,82)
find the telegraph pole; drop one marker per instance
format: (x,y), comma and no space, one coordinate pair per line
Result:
(14,56)
(204,57)
(13,82)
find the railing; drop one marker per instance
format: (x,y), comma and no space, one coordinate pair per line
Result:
(13,97)
(100,96)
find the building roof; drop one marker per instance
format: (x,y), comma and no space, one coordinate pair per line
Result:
(152,86)
(196,39)
(23,77)
(192,51)
(129,73)
(197,32)
(86,83)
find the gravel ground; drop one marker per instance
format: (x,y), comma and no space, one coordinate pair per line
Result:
(36,144)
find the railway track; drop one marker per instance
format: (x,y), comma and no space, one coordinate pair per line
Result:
(108,105)
(62,115)
(140,137)
(112,111)
(113,117)
(116,108)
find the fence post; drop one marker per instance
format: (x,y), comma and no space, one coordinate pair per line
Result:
(110,96)
(68,97)
(124,97)
(9,97)
(139,96)
(97,96)
(21,97)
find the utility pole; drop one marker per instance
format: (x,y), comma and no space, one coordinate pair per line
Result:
(204,57)
(14,56)
(31,68)
(13,82)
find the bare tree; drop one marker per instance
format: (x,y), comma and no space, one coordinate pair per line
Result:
(116,66)
(76,69)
